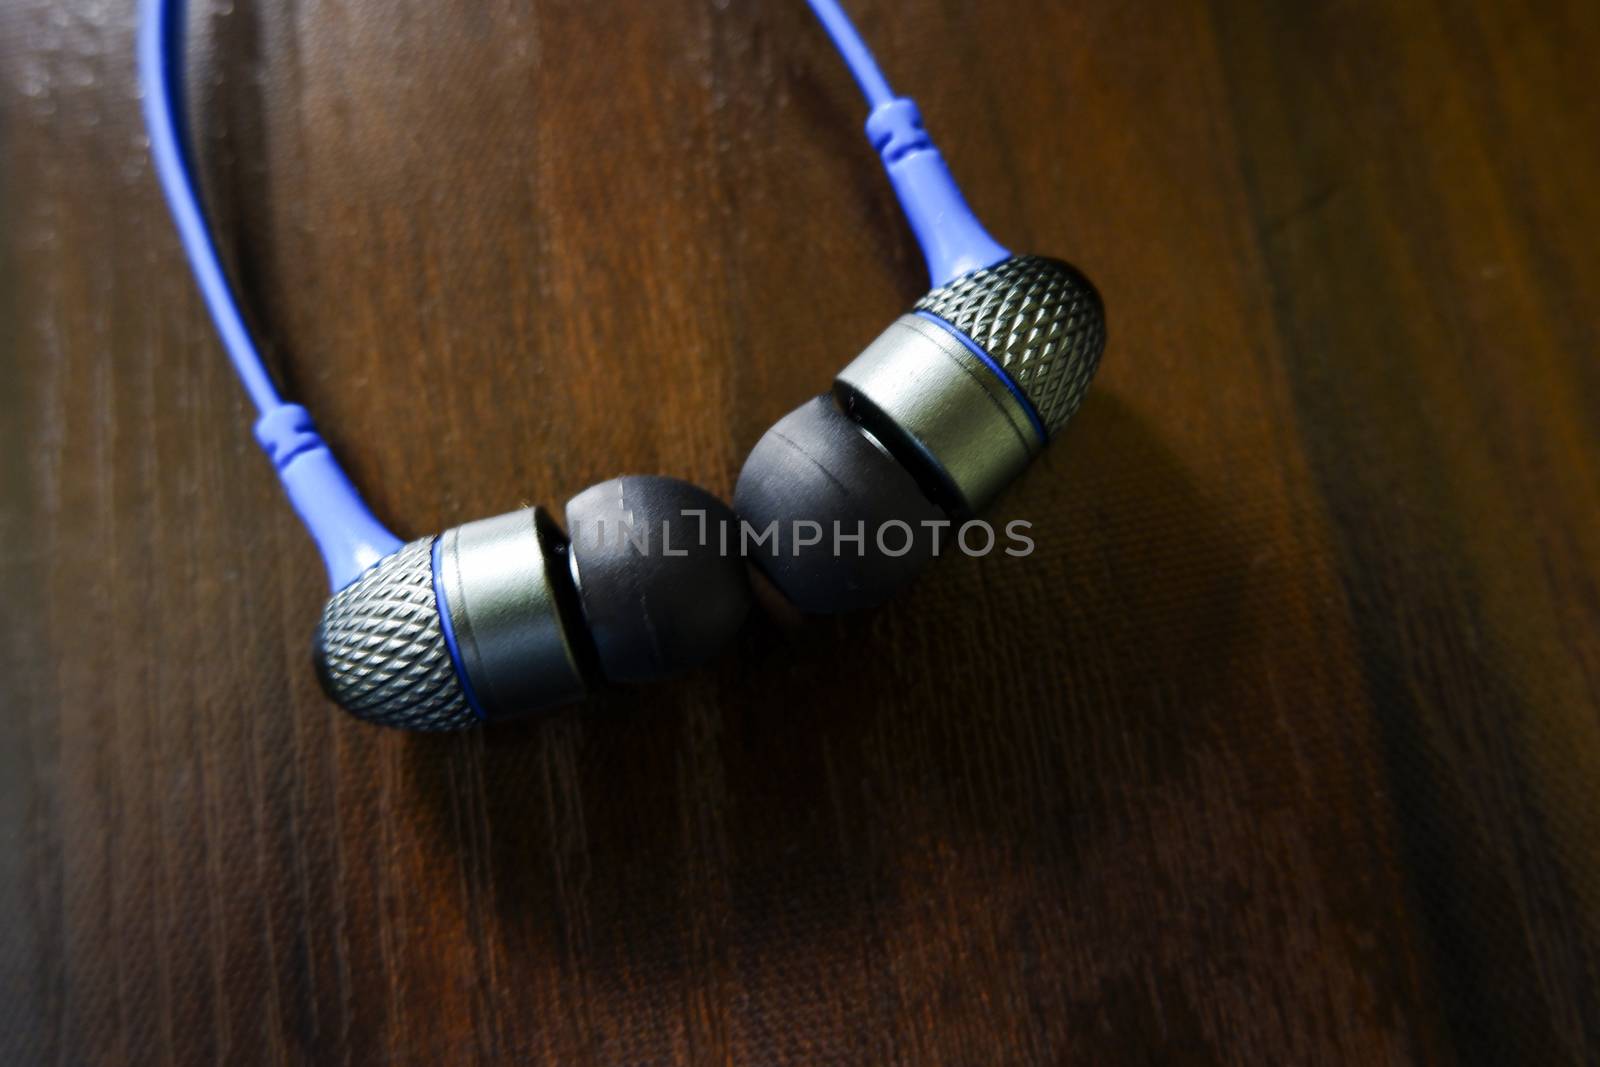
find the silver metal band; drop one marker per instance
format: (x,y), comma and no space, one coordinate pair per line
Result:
(947,404)
(511,631)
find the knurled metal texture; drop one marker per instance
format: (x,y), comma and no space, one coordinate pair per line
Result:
(381,649)
(1037,318)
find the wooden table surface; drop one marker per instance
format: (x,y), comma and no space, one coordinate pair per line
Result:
(1282,748)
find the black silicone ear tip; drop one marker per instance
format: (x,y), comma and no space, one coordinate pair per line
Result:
(658,590)
(817,466)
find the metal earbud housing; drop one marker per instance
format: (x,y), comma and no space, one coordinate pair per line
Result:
(380,649)
(479,623)
(506,616)
(969,387)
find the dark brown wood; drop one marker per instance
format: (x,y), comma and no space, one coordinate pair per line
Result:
(1282,748)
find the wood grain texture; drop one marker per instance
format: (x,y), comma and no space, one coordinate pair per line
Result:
(1282,748)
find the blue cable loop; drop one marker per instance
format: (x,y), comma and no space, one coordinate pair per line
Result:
(349,537)
(345,531)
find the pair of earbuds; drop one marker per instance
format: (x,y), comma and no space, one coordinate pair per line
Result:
(509,615)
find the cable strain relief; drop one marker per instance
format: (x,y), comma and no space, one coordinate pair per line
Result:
(345,531)
(953,241)
(895,129)
(285,432)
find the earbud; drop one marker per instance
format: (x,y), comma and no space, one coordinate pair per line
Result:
(931,421)
(505,616)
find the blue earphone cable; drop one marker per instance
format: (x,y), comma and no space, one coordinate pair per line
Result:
(160,48)
(953,241)
(349,537)
(854,51)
